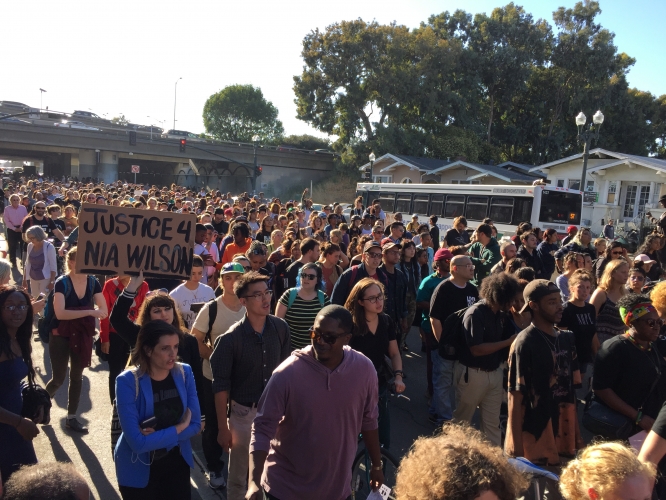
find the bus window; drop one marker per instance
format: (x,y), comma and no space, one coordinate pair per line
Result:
(388,201)
(372,195)
(420,204)
(522,210)
(403,203)
(501,209)
(477,207)
(436,205)
(455,205)
(560,207)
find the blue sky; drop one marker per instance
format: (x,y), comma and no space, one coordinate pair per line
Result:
(125,56)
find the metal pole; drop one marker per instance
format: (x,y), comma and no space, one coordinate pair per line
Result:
(134,177)
(254,172)
(175,90)
(587,138)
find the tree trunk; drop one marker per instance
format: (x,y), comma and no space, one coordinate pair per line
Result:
(366,123)
(490,120)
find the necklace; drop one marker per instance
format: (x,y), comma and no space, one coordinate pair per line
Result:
(551,344)
(635,342)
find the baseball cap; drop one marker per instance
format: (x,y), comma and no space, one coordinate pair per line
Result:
(443,254)
(232,267)
(371,244)
(388,243)
(645,259)
(228,211)
(414,216)
(536,290)
(571,228)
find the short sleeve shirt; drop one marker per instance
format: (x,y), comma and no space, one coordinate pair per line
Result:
(72,300)
(300,317)
(481,325)
(375,346)
(582,322)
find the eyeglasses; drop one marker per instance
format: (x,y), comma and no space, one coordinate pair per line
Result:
(617,253)
(652,323)
(22,307)
(328,338)
(308,276)
(471,266)
(159,291)
(260,296)
(637,277)
(373,300)
(374,255)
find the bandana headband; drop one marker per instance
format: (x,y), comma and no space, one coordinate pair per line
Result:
(629,316)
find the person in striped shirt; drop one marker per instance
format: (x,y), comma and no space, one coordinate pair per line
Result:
(299,306)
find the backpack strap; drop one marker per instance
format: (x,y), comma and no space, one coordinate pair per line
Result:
(292,297)
(354,272)
(212,314)
(321,297)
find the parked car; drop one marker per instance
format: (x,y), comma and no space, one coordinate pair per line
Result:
(75,124)
(15,105)
(87,114)
(182,134)
(12,119)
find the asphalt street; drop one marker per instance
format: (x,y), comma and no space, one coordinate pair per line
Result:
(91,453)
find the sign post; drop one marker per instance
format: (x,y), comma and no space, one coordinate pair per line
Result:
(135,170)
(124,241)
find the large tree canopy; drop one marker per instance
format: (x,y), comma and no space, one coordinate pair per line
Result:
(503,86)
(238,112)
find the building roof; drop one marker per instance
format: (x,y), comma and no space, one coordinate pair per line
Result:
(488,170)
(621,159)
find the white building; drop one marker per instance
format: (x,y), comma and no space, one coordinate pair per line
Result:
(618,186)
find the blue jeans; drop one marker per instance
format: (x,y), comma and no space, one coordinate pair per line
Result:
(443,400)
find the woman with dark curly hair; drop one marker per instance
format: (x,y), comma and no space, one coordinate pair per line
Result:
(458,464)
(16,432)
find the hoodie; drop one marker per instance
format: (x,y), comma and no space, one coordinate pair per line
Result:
(309,419)
(478,254)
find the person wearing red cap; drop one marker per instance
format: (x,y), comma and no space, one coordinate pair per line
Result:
(571,232)
(423,296)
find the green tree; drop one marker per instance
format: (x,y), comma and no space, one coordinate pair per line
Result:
(238,112)
(120,120)
(305,141)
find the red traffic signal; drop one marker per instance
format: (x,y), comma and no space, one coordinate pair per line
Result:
(183,145)
(258,171)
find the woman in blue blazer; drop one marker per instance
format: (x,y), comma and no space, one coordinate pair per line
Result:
(159,413)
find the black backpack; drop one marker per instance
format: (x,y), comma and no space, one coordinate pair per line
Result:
(453,335)
(48,321)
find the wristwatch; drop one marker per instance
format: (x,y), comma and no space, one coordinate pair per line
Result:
(398,372)
(378,467)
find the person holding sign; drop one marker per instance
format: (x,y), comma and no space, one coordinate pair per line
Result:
(192,291)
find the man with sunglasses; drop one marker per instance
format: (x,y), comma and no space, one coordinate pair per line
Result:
(42,220)
(242,362)
(310,415)
(369,268)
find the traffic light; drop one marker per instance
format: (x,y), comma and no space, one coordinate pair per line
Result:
(132,135)
(183,145)
(258,171)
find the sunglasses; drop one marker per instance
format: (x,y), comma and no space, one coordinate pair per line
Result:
(616,253)
(654,323)
(159,291)
(308,276)
(329,339)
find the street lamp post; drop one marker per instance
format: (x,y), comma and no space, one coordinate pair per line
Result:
(255,143)
(585,136)
(371,157)
(41,95)
(175,90)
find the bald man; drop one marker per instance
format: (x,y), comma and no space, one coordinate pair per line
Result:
(451,295)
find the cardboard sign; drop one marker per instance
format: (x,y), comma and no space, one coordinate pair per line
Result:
(124,241)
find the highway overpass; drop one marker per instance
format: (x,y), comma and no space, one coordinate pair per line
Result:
(108,155)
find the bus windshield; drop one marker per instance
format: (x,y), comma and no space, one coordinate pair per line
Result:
(560,207)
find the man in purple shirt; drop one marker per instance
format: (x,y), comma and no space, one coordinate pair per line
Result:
(14,215)
(310,414)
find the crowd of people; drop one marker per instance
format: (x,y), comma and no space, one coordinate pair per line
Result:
(285,342)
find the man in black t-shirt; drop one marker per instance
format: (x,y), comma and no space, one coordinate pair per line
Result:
(479,374)
(451,295)
(220,225)
(42,220)
(309,253)
(543,375)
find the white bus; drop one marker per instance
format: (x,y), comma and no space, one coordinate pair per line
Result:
(543,206)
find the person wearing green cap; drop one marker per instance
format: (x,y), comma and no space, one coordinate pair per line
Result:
(213,320)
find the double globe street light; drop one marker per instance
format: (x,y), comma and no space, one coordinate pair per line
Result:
(585,136)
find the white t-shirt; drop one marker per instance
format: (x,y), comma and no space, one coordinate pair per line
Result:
(215,253)
(184,297)
(223,321)
(201,251)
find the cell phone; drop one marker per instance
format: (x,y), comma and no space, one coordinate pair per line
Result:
(196,306)
(149,423)
(41,296)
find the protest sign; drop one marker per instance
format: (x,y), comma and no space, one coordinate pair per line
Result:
(124,241)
